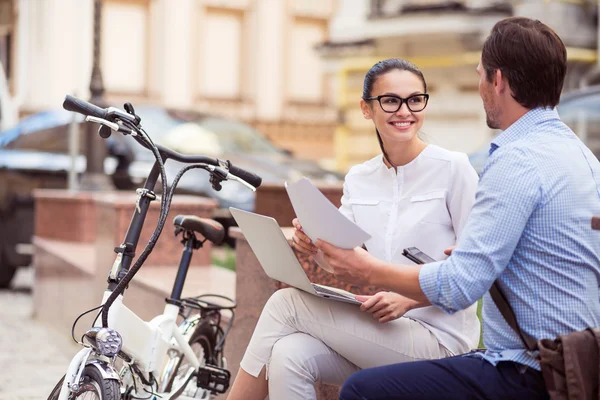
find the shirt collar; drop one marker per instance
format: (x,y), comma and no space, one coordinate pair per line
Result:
(523,126)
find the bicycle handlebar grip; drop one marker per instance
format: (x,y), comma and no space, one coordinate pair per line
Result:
(83,107)
(249,177)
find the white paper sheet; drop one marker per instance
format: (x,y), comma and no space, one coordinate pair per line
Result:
(320,219)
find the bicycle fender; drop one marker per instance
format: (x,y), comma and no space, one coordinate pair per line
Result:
(107,371)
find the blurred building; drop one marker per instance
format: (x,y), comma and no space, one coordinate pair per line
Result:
(292,68)
(444,38)
(249,59)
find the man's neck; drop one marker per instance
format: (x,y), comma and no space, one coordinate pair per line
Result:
(512,114)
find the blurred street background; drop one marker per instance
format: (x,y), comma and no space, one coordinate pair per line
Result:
(32,355)
(272,85)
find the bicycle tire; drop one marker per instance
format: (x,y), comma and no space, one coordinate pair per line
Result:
(54,393)
(107,389)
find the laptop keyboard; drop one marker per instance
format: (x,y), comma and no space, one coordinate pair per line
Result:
(324,290)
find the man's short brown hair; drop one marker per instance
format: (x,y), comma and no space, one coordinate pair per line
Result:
(532,58)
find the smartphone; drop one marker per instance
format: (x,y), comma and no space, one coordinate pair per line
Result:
(417,256)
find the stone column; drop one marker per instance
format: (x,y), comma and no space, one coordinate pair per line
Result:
(271,50)
(178,90)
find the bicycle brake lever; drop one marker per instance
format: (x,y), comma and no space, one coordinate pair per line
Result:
(240,180)
(217,175)
(112,125)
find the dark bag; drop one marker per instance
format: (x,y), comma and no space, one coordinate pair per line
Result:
(570,363)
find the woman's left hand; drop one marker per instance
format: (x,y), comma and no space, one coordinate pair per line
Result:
(386,306)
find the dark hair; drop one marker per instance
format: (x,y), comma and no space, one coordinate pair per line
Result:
(531,56)
(381,68)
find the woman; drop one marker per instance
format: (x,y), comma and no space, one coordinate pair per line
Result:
(413,194)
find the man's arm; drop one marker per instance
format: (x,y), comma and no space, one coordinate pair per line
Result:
(510,189)
(402,279)
(359,267)
(461,196)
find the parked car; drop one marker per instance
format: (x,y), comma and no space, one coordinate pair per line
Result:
(34,154)
(579,109)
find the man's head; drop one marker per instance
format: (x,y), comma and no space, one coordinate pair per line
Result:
(523,66)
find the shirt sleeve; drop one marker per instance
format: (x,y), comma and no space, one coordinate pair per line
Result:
(462,193)
(509,191)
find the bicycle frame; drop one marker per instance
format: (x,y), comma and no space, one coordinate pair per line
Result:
(146,343)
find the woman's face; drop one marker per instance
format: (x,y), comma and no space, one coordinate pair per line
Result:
(402,125)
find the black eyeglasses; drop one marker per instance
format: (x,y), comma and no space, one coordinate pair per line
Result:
(391,104)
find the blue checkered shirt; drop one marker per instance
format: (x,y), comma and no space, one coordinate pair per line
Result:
(530,229)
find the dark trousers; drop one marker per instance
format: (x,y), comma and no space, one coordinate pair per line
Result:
(453,378)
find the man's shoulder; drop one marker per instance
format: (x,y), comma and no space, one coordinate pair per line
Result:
(540,143)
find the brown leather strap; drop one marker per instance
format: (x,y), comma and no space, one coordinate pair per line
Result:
(509,316)
(596,222)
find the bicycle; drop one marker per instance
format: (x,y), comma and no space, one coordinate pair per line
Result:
(124,357)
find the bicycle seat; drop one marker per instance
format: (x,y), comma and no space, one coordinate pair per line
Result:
(210,229)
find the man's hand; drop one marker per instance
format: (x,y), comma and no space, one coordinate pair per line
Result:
(352,266)
(301,242)
(386,306)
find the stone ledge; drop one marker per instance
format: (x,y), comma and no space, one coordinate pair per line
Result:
(67,283)
(64,283)
(65,215)
(69,256)
(102,218)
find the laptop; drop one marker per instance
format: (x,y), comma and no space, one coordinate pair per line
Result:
(277,257)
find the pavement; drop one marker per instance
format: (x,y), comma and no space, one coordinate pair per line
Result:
(32,357)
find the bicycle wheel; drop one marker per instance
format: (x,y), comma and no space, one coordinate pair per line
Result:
(91,387)
(202,342)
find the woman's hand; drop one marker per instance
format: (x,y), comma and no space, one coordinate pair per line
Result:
(301,242)
(386,306)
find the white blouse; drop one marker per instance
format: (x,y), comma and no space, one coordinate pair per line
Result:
(423,204)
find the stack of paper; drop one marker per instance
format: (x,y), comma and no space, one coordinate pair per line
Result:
(320,219)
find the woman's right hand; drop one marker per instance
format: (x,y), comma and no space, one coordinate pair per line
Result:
(301,242)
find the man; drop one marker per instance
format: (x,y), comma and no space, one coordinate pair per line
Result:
(529,228)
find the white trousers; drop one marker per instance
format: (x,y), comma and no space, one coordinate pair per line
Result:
(303,339)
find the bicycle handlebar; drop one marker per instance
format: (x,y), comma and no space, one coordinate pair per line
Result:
(241,173)
(83,107)
(88,109)
(247,176)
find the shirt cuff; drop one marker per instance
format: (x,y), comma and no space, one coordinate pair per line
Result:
(428,279)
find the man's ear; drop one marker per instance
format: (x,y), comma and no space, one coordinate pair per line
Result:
(366,109)
(500,83)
